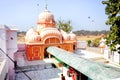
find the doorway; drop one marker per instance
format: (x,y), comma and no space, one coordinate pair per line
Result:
(46,54)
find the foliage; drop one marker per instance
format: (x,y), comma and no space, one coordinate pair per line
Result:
(64,25)
(89,42)
(96,42)
(93,43)
(113,11)
(21,34)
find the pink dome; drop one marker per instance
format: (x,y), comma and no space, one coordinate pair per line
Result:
(65,35)
(50,31)
(32,36)
(72,36)
(31,31)
(46,17)
(37,38)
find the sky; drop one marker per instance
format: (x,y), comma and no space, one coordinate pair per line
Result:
(84,14)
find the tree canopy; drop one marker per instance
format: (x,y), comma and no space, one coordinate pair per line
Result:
(113,11)
(86,32)
(64,25)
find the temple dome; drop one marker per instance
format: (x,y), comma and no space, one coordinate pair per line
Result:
(65,35)
(47,32)
(32,36)
(46,17)
(72,36)
(31,31)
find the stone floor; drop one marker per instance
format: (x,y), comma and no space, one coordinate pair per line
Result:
(38,70)
(97,57)
(45,74)
(90,55)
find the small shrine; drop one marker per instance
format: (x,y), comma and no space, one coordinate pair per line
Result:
(47,34)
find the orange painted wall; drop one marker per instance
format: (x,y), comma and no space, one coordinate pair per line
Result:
(37,51)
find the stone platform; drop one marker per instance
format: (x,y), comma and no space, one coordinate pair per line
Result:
(37,70)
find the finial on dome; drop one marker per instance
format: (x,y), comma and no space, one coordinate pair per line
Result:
(32,27)
(46,5)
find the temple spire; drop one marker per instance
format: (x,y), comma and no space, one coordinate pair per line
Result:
(46,5)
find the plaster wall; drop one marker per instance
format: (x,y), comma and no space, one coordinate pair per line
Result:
(11,39)
(3,40)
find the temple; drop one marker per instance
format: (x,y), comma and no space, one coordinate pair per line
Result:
(30,60)
(47,34)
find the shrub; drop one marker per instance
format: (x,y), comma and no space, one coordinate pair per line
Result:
(89,42)
(96,42)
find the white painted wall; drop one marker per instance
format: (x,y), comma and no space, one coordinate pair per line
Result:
(11,39)
(8,43)
(3,40)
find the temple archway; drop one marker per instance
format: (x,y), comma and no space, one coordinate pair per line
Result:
(52,40)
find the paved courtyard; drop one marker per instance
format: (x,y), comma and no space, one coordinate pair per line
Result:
(44,70)
(38,70)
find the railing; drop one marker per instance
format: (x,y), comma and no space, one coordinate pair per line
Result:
(1,53)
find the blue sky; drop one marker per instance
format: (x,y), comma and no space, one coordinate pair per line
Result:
(84,14)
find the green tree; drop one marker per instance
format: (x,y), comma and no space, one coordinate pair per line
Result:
(113,11)
(64,25)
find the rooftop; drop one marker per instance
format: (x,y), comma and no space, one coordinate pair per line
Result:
(8,27)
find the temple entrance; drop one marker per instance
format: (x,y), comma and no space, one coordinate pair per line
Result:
(46,54)
(74,47)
